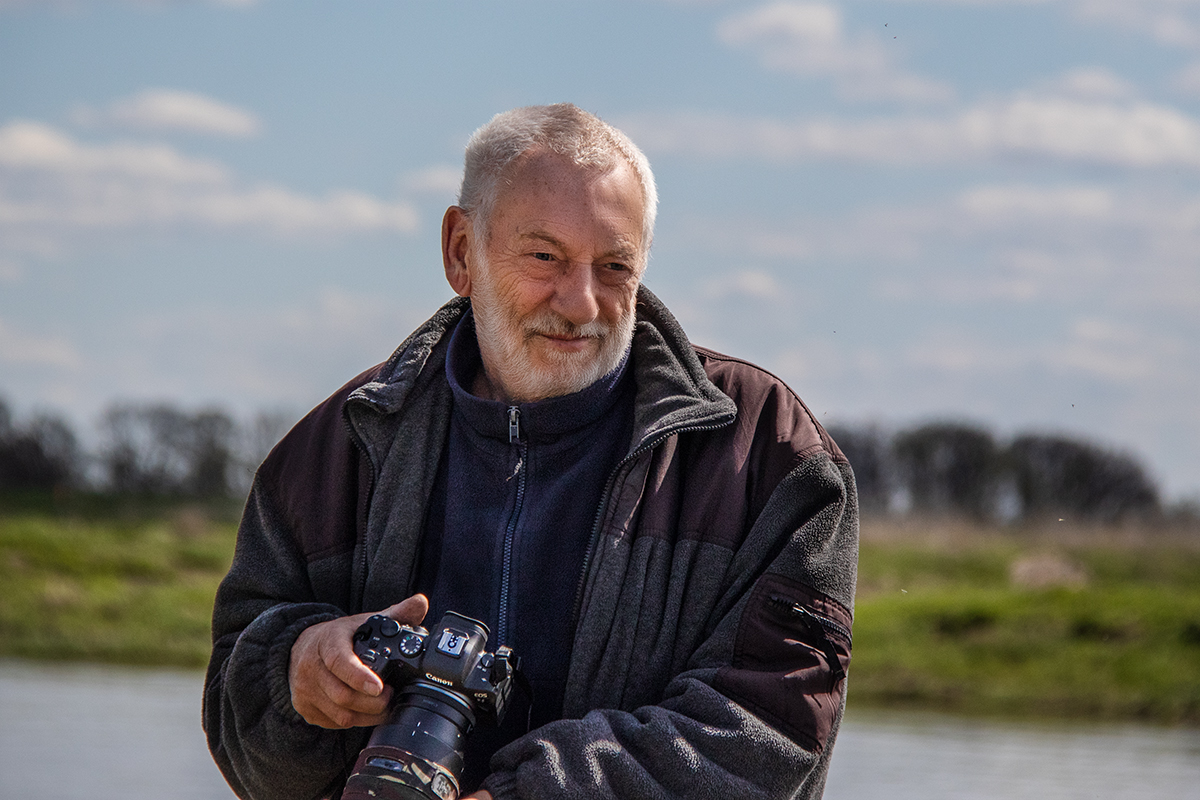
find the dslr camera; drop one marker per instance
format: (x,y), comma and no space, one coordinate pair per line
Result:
(445,683)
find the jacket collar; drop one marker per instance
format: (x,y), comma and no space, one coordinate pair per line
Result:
(673,390)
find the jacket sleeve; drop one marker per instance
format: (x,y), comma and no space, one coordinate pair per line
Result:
(755,709)
(264,748)
(291,569)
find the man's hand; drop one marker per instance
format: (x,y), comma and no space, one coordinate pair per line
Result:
(330,686)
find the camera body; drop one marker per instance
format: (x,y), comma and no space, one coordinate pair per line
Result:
(446,682)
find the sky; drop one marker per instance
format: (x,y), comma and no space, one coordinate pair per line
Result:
(984,211)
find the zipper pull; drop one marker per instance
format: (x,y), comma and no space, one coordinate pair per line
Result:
(818,627)
(514,424)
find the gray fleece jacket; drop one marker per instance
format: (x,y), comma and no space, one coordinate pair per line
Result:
(712,614)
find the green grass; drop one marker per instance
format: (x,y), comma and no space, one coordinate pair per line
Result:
(136,591)
(1029,623)
(1054,622)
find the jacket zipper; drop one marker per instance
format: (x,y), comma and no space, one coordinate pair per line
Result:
(510,532)
(360,534)
(820,626)
(827,623)
(594,538)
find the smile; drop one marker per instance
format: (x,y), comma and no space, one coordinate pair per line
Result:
(567,342)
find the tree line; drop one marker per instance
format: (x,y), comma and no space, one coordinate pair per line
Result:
(962,469)
(162,450)
(143,449)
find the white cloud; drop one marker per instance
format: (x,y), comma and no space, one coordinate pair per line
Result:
(1116,351)
(1102,349)
(1090,83)
(956,351)
(993,245)
(809,40)
(1187,80)
(18,348)
(52,183)
(252,357)
(244,358)
(1172,22)
(1074,245)
(807,36)
(172,110)
(437,180)
(149,4)
(1017,204)
(1134,134)
(750,284)
(10,271)
(33,147)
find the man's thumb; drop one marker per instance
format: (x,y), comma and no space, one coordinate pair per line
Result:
(410,611)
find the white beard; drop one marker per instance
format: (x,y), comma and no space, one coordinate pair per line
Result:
(504,341)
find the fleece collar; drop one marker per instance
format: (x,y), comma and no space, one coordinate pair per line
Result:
(673,392)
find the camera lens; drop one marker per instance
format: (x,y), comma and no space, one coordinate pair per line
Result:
(418,753)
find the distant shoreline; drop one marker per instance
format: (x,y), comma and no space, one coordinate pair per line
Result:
(1058,621)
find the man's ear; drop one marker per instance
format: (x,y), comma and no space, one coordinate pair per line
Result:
(456,249)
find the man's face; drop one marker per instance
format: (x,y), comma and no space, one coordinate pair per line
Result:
(554,285)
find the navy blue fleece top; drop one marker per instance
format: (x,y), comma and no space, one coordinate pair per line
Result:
(512,510)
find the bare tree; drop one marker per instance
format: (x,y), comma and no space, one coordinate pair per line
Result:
(949,468)
(141,449)
(210,454)
(256,440)
(870,454)
(161,450)
(1064,476)
(43,454)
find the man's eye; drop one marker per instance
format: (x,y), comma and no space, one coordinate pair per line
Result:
(617,267)
(543,256)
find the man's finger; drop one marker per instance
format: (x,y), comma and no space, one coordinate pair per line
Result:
(346,704)
(409,611)
(338,655)
(338,718)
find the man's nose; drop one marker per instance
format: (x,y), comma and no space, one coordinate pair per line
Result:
(575,294)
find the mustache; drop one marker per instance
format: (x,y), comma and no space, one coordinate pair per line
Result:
(551,324)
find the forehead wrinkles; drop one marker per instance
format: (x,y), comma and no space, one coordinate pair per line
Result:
(615,243)
(575,210)
(546,172)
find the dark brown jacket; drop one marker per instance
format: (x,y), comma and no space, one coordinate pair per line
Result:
(713,611)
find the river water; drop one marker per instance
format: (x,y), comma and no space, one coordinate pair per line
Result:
(96,733)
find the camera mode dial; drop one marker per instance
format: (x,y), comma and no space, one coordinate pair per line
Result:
(380,640)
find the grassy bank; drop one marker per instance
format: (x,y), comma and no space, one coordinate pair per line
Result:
(1056,621)
(132,589)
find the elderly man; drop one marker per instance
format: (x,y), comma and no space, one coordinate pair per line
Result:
(664,534)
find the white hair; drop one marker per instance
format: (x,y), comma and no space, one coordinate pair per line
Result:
(562,128)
